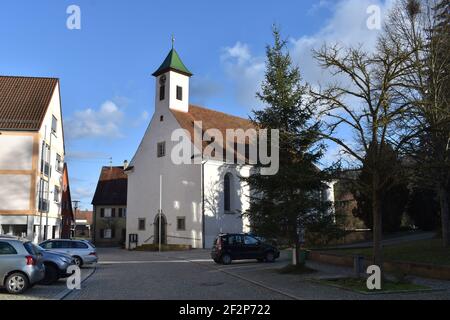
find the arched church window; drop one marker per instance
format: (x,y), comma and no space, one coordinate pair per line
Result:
(227,187)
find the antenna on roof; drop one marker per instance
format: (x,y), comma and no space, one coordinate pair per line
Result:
(110,163)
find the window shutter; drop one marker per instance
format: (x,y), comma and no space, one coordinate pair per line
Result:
(113,212)
(102,212)
(120,213)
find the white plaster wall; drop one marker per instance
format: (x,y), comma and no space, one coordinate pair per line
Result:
(56,141)
(181,187)
(15,192)
(16,152)
(216,219)
(174,79)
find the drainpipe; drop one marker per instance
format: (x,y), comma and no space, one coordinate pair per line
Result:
(203,200)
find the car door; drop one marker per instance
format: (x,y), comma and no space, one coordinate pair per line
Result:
(8,259)
(79,249)
(251,248)
(235,243)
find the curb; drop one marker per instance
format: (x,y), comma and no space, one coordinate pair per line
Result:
(322,282)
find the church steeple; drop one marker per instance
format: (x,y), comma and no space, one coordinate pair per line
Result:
(173,63)
(172,84)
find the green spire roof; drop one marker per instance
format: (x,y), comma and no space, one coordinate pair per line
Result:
(174,63)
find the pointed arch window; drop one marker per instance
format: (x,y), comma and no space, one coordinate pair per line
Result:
(227,187)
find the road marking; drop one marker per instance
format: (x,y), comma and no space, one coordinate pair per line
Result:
(143,262)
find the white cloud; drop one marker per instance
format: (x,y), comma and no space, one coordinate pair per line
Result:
(322,4)
(246,71)
(347,26)
(90,123)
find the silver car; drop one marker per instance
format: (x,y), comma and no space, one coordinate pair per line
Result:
(21,265)
(56,265)
(82,251)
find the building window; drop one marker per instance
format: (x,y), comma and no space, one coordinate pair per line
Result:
(181,223)
(56,194)
(107,213)
(179,93)
(45,159)
(54,124)
(122,212)
(227,183)
(43,196)
(161,149)
(161,118)
(107,234)
(59,163)
(141,224)
(162,93)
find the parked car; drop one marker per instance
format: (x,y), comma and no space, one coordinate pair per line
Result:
(82,251)
(21,265)
(56,265)
(229,247)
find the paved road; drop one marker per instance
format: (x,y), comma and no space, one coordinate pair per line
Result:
(125,275)
(192,275)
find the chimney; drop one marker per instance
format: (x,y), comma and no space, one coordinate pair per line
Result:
(125,165)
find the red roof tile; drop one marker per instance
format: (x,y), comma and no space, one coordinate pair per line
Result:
(111,187)
(24,101)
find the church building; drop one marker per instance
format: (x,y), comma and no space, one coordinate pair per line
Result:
(198,200)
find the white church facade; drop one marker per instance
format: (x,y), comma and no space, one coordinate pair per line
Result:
(199,200)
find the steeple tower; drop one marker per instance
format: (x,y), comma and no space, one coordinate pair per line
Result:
(172,83)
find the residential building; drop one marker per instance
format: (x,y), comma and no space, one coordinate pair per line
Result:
(31,157)
(83,224)
(198,201)
(110,207)
(67,216)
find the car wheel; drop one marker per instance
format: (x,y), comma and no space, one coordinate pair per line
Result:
(270,256)
(226,259)
(17,283)
(78,261)
(51,275)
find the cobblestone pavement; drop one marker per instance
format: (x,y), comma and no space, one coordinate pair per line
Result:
(39,292)
(125,275)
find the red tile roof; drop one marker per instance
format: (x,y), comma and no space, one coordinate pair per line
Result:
(111,187)
(24,101)
(211,119)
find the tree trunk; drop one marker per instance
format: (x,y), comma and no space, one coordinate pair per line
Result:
(443,200)
(377,224)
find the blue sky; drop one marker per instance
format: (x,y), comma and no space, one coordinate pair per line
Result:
(105,68)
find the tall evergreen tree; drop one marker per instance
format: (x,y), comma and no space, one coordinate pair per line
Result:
(285,204)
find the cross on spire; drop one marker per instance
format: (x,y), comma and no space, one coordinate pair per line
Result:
(173,41)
